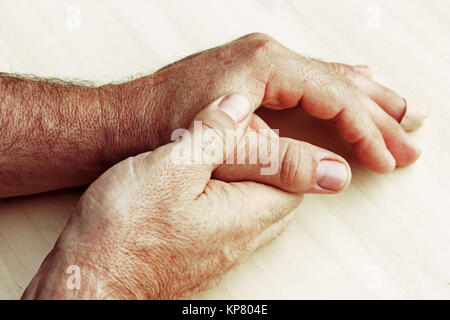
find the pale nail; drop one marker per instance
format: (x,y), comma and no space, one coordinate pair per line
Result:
(331,175)
(236,106)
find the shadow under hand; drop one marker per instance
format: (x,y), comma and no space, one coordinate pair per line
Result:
(295,123)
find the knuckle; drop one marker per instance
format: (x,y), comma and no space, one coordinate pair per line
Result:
(213,131)
(339,68)
(257,36)
(261,46)
(211,136)
(291,166)
(335,90)
(211,144)
(342,89)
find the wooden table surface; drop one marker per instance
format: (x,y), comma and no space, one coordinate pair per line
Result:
(387,236)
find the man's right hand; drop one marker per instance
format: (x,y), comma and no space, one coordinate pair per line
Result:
(158,226)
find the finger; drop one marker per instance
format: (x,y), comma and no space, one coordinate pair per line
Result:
(211,138)
(414,117)
(209,133)
(388,100)
(288,164)
(346,106)
(404,149)
(326,95)
(410,116)
(256,205)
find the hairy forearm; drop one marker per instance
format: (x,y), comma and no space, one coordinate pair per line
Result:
(55,135)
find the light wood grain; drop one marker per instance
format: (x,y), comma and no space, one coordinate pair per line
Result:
(387,236)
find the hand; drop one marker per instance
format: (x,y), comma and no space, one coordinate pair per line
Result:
(156,226)
(46,123)
(365,113)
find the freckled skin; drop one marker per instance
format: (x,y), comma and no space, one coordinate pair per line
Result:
(56,135)
(148,228)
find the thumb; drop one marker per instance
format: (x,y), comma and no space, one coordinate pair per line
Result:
(211,137)
(291,165)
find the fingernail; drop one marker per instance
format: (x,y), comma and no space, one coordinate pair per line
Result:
(331,175)
(236,106)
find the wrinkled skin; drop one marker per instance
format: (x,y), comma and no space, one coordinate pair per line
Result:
(149,228)
(153,228)
(365,113)
(44,123)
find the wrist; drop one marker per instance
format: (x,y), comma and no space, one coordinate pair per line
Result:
(132,122)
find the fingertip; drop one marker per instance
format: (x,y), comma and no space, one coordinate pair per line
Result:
(390,161)
(377,159)
(386,164)
(414,116)
(236,106)
(408,152)
(411,159)
(332,175)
